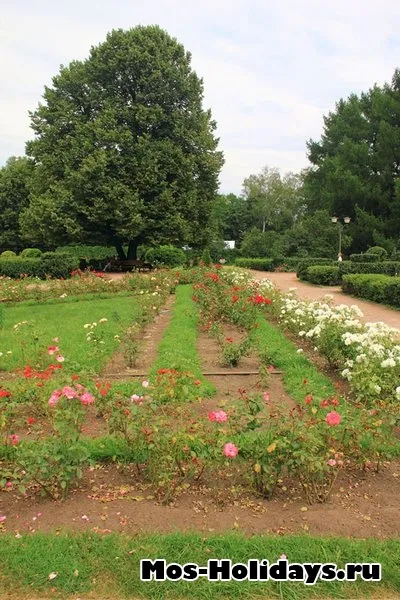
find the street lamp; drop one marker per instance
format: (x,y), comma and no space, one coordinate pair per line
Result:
(346,221)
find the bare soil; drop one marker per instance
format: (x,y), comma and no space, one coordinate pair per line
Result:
(110,499)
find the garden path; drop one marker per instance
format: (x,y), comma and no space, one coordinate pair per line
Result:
(305,291)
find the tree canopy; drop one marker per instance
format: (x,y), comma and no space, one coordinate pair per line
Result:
(356,165)
(124,151)
(15,179)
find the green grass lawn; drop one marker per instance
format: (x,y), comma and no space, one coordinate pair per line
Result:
(108,566)
(178,347)
(65,321)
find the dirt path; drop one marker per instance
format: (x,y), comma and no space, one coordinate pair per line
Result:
(372,312)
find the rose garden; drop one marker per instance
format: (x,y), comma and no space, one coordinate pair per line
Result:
(184,401)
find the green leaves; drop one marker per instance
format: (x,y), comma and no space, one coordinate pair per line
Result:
(124,150)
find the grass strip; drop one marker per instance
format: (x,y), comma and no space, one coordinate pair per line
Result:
(295,366)
(108,566)
(65,321)
(178,347)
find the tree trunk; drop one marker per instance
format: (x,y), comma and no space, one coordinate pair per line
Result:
(132,249)
(263,227)
(120,251)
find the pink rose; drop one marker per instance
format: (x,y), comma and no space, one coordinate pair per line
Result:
(14,439)
(145,384)
(219,416)
(333,418)
(69,392)
(230,450)
(332,462)
(87,398)
(2,518)
(60,358)
(137,399)
(54,398)
(266,397)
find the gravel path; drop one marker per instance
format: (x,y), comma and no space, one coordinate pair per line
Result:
(372,311)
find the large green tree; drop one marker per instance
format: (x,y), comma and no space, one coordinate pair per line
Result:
(356,164)
(124,151)
(15,179)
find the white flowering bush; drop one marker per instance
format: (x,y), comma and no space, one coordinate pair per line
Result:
(367,354)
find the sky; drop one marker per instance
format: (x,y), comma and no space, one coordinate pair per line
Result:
(271,68)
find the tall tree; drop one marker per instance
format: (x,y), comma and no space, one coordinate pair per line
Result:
(357,162)
(125,152)
(273,200)
(230,217)
(15,178)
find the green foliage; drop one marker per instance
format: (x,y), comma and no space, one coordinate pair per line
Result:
(88,252)
(259,264)
(56,264)
(384,268)
(354,165)
(206,257)
(273,200)
(314,234)
(8,254)
(379,288)
(323,275)
(15,179)
(16,267)
(138,160)
(31,253)
(305,263)
(378,251)
(364,258)
(168,256)
(257,243)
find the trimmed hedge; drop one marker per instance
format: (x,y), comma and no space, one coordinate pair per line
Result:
(291,263)
(259,264)
(50,264)
(323,275)
(378,288)
(364,258)
(168,256)
(387,267)
(8,254)
(31,253)
(305,263)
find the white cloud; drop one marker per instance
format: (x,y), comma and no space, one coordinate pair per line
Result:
(271,70)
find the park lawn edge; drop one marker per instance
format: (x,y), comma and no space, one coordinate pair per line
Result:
(109,564)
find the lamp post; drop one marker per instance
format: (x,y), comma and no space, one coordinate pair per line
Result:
(337,220)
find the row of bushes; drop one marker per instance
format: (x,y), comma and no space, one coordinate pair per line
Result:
(379,288)
(292,263)
(48,264)
(333,274)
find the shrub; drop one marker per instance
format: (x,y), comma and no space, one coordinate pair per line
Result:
(304,263)
(364,258)
(379,288)
(56,264)
(168,256)
(31,253)
(17,267)
(323,275)
(259,264)
(378,251)
(206,257)
(383,268)
(8,254)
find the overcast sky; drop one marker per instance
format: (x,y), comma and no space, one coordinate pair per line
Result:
(271,69)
